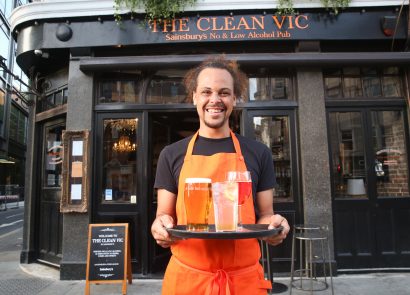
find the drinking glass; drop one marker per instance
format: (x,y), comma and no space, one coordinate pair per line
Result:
(244,180)
(197,201)
(225,198)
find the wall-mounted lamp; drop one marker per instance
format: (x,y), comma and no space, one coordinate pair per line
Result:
(388,25)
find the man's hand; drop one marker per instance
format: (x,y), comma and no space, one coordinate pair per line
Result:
(275,221)
(159,232)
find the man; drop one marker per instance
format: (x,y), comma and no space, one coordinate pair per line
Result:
(215,266)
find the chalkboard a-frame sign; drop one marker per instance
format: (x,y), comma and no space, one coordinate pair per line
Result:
(108,255)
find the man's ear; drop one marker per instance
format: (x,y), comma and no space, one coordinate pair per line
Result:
(234,101)
(194,98)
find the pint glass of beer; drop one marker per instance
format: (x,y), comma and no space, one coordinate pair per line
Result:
(197,200)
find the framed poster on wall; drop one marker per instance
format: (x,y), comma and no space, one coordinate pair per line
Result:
(75,171)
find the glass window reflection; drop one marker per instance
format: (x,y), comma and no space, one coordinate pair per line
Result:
(390,153)
(53,156)
(120,160)
(119,90)
(270,88)
(348,155)
(166,87)
(274,132)
(363,83)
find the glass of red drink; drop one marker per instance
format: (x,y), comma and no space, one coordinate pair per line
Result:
(243,178)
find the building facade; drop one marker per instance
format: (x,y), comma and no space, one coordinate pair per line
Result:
(328,94)
(13,112)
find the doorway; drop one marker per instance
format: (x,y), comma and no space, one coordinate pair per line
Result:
(277,130)
(370,184)
(166,128)
(49,218)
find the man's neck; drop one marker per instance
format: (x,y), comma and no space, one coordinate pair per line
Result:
(214,133)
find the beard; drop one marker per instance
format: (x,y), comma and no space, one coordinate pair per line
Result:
(216,123)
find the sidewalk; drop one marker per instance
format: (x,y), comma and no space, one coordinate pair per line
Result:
(357,284)
(32,279)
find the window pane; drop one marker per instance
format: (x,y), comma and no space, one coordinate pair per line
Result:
(258,89)
(166,87)
(348,155)
(114,91)
(58,99)
(372,87)
(280,88)
(65,95)
(352,87)
(265,88)
(274,132)
(333,87)
(120,160)
(390,154)
(48,102)
(53,156)
(392,86)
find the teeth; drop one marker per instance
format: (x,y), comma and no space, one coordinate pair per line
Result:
(214,110)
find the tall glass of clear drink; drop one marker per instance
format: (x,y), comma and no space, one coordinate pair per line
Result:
(197,200)
(225,199)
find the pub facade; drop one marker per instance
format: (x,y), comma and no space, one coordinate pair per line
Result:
(328,94)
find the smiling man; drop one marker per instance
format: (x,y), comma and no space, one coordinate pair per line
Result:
(215,266)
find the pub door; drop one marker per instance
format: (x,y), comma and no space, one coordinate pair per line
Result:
(50,221)
(370,184)
(119,193)
(277,130)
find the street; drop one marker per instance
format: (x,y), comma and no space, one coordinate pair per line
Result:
(11,228)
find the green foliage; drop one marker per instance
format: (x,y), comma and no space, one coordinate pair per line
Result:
(335,5)
(166,9)
(286,6)
(154,9)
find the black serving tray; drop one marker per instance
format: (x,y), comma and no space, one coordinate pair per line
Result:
(248,231)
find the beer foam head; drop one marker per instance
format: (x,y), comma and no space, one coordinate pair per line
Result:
(198,180)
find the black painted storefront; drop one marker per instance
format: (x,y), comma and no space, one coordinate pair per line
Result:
(267,46)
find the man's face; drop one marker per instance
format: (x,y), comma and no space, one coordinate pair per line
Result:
(214,98)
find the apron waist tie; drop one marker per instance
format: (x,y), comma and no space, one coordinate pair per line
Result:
(221,283)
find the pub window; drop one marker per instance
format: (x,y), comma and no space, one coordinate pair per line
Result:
(166,87)
(119,90)
(392,86)
(365,82)
(53,99)
(269,88)
(119,161)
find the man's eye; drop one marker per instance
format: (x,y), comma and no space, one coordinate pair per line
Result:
(206,92)
(224,94)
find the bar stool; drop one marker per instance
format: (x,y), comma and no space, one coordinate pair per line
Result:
(265,261)
(307,235)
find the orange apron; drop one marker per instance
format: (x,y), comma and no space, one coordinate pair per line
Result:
(225,267)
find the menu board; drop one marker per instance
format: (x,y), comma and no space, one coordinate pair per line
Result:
(108,257)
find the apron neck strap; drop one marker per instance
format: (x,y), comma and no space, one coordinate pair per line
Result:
(235,141)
